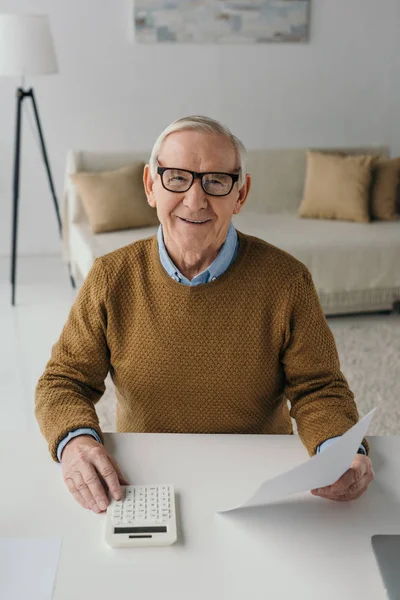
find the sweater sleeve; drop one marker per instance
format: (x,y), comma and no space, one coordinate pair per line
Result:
(322,404)
(73,380)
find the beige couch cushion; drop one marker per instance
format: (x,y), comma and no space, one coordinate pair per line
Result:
(337,187)
(385,188)
(115,200)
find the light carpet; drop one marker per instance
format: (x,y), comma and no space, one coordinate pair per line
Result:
(369,352)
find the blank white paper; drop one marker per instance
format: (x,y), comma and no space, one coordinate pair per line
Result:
(28,568)
(319,471)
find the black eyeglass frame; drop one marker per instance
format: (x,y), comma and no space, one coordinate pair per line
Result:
(234,177)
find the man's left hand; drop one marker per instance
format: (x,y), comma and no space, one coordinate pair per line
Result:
(352,484)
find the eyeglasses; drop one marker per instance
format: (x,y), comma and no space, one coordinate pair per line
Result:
(181,180)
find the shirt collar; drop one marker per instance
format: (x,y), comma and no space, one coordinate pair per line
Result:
(222,261)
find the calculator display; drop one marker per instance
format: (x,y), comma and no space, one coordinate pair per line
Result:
(155,529)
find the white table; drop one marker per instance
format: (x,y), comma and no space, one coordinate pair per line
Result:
(304,548)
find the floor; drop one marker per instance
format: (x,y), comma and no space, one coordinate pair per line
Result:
(28,331)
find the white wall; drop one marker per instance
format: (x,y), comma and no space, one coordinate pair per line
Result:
(342,88)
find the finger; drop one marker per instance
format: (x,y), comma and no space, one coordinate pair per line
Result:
(344,498)
(358,489)
(106,469)
(367,475)
(350,497)
(76,493)
(121,478)
(94,485)
(86,493)
(350,478)
(355,490)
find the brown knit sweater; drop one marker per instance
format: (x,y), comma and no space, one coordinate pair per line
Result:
(222,357)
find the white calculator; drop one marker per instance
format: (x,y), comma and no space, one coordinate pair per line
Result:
(145,516)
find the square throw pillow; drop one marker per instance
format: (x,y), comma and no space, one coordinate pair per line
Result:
(398,201)
(115,200)
(337,187)
(386,181)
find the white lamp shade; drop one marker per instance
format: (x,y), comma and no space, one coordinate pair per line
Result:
(26,45)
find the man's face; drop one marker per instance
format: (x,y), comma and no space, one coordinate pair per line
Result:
(200,152)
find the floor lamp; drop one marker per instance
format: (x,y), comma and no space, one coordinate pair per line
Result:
(26,48)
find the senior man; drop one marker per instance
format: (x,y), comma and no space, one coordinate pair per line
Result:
(204,329)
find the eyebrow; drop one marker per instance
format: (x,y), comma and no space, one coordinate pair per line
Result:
(234,172)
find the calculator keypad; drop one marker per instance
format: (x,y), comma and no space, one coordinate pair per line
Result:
(148,504)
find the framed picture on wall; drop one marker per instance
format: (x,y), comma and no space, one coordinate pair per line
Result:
(221,21)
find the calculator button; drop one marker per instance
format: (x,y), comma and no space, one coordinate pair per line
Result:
(142,506)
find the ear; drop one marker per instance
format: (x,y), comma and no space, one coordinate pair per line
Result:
(243,193)
(148,184)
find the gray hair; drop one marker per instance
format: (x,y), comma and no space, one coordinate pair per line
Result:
(206,125)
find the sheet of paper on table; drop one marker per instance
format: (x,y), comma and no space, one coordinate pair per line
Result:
(320,470)
(28,568)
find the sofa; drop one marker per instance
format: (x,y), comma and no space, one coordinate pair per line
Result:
(355,266)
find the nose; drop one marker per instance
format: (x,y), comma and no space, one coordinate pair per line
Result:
(195,198)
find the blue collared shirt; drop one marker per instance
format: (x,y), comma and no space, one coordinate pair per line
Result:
(224,259)
(222,262)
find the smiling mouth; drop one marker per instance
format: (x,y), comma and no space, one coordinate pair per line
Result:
(193,221)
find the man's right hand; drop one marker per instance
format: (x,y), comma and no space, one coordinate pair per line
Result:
(88,471)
